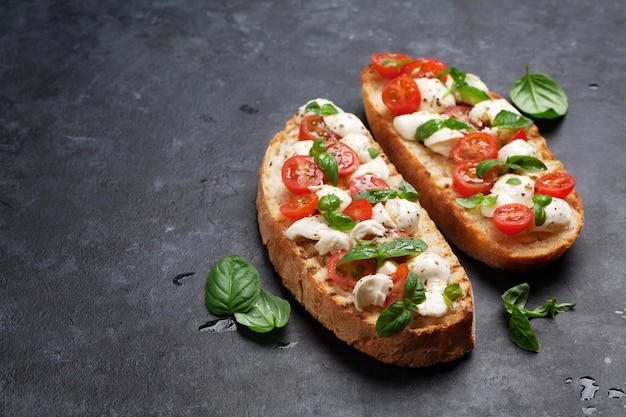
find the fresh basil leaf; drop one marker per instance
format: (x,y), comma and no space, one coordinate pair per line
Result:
(526,163)
(328,110)
(563,307)
(313,107)
(324,110)
(377,196)
(506,119)
(419,295)
(329,202)
(542,199)
(477,200)
(407,192)
(516,296)
(358,253)
(319,146)
(269,312)
(514,181)
(401,247)
(453,291)
(426,130)
(456,124)
(486,165)
(410,285)
(539,96)
(539,214)
(339,221)
(472,95)
(520,330)
(233,286)
(328,164)
(373,152)
(393,319)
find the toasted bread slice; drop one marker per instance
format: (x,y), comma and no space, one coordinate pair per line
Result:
(427,340)
(431,175)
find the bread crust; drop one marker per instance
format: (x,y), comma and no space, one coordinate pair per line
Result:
(430,173)
(427,341)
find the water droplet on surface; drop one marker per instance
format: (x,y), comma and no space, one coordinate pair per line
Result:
(608,360)
(219,326)
(616,393)
(568,380)
(590,387)
(589,410)
(594,86)
(287,345)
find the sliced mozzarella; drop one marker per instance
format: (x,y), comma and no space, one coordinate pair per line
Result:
(434,305)
(302,112)
(301,147)
(344,124)
(484,113)
(510,188)
(332,240)
(387,268)
(371,290)
(316,228)
(517,147)
(435,97)
(381,216)
(558,216)
(407,124)
(360,144)
(323,190)
(367,228)
(472,81)
(443,141)
(432,269)
(404,213)
(376,166)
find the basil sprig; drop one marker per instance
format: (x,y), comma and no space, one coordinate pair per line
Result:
(468,94)
(404,190)
(325,160)
(323,110)
(392,249)
(329,206)
(477,200)
(234,288)
(520,330)
(506,119)
(399,314)
(426,130)
(540,202)
(513,162)
(539,96)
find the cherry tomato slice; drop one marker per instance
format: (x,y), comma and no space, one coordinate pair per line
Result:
(512,218)
(313,127)
(402,95)
(389,64)
(475,147)
(424,68)
(300,206)
(520,134)
(367,182)
(399,279)
(467,183)
(359,210)
(347,159)
(556,184)
(301,172)
(349,273)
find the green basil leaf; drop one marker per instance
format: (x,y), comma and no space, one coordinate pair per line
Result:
(486,165)
(377,196)
(269,312)
(410,285)
(426,130)
(319,146)
(401,247)
(453,291)
(358,253)
(339,221)
(233,285)
(456,124)
(514,181)
(539,214)
(329,202)
(542,199)
(407,192)
(373,152)
(313,107)
(324,110)
(393,319)
(563,307)
(506,119)
(328,164)
(472,95)
(525,162)
(419,295)
(520,331)
(539,96)
(516,296)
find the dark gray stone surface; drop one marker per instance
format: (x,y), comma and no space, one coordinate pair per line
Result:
(130,138)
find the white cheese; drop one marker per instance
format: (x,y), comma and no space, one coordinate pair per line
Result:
(301,147)
(472,81)
(316,228)
(387,268)
(519,190)
(365,228)
(332,240)
(434,305)
(407,124)
(404,213)
(435,97)
(360,144)
(371,290)
(432,269)
(325,189)
(516,147)
(301,113)
(484,113)
(443,141)
(344,124)
(381,216)
(376,166)
(558,216)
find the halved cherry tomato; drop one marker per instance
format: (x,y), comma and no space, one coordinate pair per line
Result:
(424,68)
(313,127)
(388,64)
(402,95)
(301,172)
(556,184)
(520,134)
(349,273)
(367,182)
(467,183)
(300,206)
(347,159)
(512,218)
(475,147)
(399,279)
(359,210)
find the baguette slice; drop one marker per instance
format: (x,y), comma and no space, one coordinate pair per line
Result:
(426,341)
(431,175)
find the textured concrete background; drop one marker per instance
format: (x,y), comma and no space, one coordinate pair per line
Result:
(131,134)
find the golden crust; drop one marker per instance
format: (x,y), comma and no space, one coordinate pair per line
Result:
(467,229)
(427,341)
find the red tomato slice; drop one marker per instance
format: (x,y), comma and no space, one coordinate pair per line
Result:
(367,182)
(301,172)
(475,147)
(402,95)
(347,159)
(388,64)
(300,206)
(424,68)
(467,183)
(349,273)
(556,184)
(313,127)
(359,210)
(512,218)
(399,279)
(520,134)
